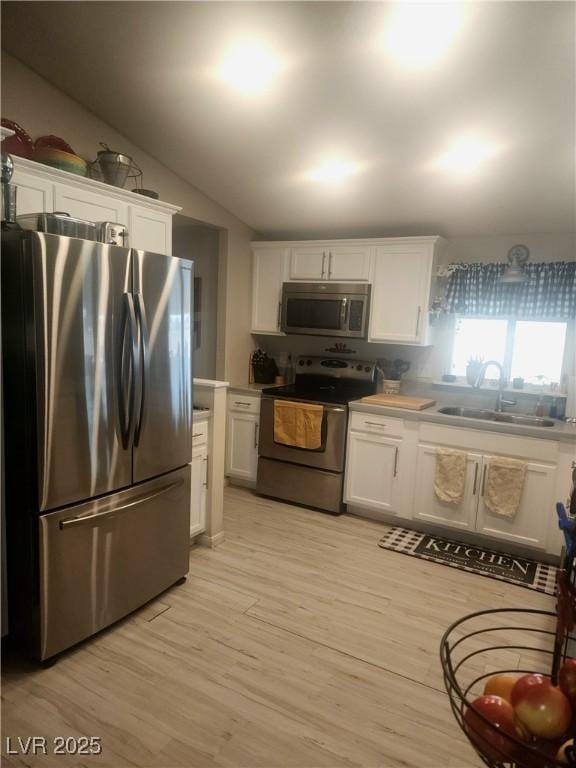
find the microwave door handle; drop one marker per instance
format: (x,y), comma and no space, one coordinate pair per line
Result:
(344,313)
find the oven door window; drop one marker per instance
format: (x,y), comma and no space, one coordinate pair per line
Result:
(314,313)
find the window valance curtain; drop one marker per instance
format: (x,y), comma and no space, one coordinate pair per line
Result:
(549,294)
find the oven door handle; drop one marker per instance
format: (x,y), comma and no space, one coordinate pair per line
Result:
(332,408)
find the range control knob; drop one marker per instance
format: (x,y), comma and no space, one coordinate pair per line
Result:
(358,367)
(367,369)
(308,362)
(300,362)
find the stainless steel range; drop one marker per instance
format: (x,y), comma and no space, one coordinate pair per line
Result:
(313,477)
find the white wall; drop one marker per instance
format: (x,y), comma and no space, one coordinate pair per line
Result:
(41,109)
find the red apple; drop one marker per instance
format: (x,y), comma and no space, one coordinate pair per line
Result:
(567,679)
(501,685)
(526,683)
(492,738)
(541,707)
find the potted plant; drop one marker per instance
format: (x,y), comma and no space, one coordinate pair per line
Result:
(473,368)
(391,372)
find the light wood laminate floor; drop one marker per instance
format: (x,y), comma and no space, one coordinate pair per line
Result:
(298,643)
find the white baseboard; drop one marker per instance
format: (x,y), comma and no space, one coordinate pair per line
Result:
(211,541)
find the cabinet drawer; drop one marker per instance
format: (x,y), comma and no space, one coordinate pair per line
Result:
(199,433)
(243,403)
(376,424)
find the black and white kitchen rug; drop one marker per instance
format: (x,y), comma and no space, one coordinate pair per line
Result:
(472,558)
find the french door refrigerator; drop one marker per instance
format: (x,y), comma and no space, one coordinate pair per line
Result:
(97,365)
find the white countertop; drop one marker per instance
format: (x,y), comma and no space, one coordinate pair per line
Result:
(203,415)
(210,383)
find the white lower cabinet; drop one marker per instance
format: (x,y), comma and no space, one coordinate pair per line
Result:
(372,472)
(199,485)
(529,526)
(199,482)
(242,437)
(428,506)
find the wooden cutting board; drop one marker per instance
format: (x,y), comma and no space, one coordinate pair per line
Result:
(399,401)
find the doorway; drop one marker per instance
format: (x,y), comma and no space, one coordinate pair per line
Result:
(200,242)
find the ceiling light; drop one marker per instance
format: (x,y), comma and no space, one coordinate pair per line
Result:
(249,68)
(466,156)
(333,170)
(418,35)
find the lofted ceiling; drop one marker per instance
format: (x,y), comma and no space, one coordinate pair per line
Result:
(342,92)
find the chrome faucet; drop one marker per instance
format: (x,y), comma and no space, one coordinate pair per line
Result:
(500,402)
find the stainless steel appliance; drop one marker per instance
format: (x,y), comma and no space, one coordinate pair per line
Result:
(326,309)
(315,477)
(58,223)
(112,233)
(98,422)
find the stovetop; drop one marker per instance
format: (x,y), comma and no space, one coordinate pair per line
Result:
(327,380)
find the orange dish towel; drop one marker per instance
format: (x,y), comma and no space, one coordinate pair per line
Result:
(298,424)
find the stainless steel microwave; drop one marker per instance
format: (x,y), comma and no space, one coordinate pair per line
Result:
(326,309)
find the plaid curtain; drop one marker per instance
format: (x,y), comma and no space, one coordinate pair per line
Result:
(549,294)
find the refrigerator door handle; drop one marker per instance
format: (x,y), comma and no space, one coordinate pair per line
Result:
(144,358)
(73,521)
(128,387)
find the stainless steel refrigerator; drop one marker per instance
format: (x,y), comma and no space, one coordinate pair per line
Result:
(97,362)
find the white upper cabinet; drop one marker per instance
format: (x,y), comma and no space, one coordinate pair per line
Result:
(349,263)
(150,230)
(401,290)
(308,263)
(86,204)
(42,189)
(269,272)
(326,261)
(35,194)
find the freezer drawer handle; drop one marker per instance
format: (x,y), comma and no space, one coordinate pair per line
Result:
(72,521)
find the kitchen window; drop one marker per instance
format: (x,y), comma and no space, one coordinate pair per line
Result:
(529,349)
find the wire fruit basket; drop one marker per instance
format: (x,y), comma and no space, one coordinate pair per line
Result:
(517,642)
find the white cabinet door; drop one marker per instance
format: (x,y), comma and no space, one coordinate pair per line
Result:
(269,273)
(85,204)
(35,194)
(242,445)
(400,293)
(428,507)
(199,466)
(309,262)
(372,472)
(529,527)
(150,230)
(349,263)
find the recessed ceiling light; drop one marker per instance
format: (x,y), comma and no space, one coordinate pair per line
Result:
(466,156)
(418,35)
(249,67)
(333,170)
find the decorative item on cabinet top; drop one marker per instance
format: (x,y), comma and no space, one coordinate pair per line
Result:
(114,168)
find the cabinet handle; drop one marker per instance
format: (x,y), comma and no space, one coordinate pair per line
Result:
(375,424)
(396,462)
(418,320)
(484,480)
(475,479)
(240,402)
(323,261)
(197,434)
(279,320)
(255,435)
(329,265)
(205,483)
